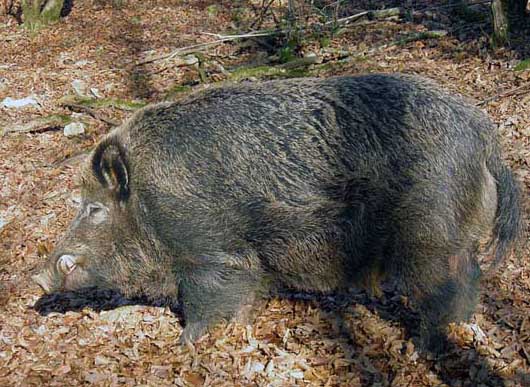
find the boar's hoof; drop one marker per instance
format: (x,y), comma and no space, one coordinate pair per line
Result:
(434,341)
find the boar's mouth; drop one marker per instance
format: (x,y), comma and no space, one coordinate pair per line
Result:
(47,279)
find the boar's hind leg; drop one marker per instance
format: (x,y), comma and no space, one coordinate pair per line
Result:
(443,291)
(435,262)
(216,291)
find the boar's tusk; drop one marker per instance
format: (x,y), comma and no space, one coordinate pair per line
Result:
(66,263)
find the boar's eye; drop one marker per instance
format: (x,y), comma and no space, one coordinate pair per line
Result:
(97,212)
(66,264)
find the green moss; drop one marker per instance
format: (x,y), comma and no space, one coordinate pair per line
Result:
(523,65)
(286,54)
(39,124)
(31,12)
(51,12)
(125,104)
(329,68)
(103,102)
(136,20)
(176,91)
(212,10)
(296,73)
(409,38)
(34,18)
(63,118)
(324,42)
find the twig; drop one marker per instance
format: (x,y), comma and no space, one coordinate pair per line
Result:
(504,94)
(348,19)
(201,46)
(42,124)
(91,112)
(264,10)
(182,51)
(254,34)
(227,38)
(247,35)
(90,102)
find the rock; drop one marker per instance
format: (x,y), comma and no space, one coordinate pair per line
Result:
(480,336)
(3,223)
(79,87)
(190,60)
(9,102)
(95,92)
(74,129)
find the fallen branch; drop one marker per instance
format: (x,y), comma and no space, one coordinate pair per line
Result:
(302,62)
(100,103)
(182,51)
(201,46)
(247,35)
(381,14)
(348,19)
(435,34)
(91,112)
(42,124)
(378,14)
(504,94)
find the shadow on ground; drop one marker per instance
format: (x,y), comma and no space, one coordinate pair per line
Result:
(94,299)
(454,366)
(139,79)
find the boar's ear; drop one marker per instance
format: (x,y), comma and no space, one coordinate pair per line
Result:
(109,165)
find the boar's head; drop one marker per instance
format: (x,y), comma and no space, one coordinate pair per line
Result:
(101,229)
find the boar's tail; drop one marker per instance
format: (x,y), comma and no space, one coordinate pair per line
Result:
(509,225)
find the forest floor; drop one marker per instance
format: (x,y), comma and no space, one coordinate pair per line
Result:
(104,339)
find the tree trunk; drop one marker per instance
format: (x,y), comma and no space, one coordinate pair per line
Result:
(36,15)
(52,10)
(507,16)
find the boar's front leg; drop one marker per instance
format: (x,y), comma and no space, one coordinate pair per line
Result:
(219,287)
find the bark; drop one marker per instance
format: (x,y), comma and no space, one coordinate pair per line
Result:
(38,13)
(52,10)
(507,16)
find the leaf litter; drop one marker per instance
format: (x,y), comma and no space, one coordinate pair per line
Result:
(307,340)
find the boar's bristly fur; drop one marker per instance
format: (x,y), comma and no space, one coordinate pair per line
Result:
(313,184)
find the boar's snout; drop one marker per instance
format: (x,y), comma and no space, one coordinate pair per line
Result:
(43,279)
(61,273)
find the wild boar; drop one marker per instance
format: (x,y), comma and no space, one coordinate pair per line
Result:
(314,184)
